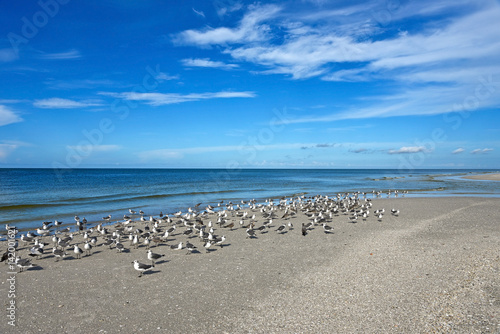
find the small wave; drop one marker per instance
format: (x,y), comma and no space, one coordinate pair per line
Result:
(18,207)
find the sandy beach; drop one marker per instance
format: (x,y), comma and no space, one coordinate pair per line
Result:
(485,177)
(435,268)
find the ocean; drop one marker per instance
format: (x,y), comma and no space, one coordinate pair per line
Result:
(29,197)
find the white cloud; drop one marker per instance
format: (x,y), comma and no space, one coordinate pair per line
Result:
(59,103)
(198,12)
(71,54)
(481,150)
(78,84)
(205,62)
(165,77)
(159,99)
(249,29)
(8,116)
(458,150)
(442,60)
(226,7)
(408,149)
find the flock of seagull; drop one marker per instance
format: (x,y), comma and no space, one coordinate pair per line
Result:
(139,230)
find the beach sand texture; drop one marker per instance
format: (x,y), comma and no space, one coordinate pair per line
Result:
(433,269)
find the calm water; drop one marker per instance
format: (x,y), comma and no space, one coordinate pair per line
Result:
(30,196)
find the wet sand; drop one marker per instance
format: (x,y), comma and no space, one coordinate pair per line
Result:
(435,268)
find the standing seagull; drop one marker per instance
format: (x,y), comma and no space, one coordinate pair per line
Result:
(153,257)
(78,251)
(190,247)
(141,267)
(87,247)
(327,229)
(304,229)
(23,263)
(58,253)
(207,245)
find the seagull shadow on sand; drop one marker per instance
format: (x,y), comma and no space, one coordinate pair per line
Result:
(150,272)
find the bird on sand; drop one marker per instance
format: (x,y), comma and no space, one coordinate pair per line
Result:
(141,267)
(153,256)
(304,229)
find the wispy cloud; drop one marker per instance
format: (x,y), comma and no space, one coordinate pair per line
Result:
(198,12)
(481,150)
(159,99)
(80,83)
(226,7)
(165,77)
(458,151)
(250,29)
(8,116)
(205,62)
(71,54)
(443,60)
(359,150)
(59,103)
(408,150)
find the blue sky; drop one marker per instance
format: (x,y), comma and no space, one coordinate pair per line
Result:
(235,84)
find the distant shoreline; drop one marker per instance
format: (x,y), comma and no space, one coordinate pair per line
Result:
(484,177)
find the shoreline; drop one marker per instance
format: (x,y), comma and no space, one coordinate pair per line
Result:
(484,177)
(433,268)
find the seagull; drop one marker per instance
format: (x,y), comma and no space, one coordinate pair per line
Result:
(190,247)
(119,247)
(281,228)
(78,251)
(146,242)
(220,241)
(42,231)
(304,229)
(132,212)
(58,253)
(135,241)
(250,233)
(36,251)
(23,263)
(5,256)
(327,229)
(177,247)
(207,245)
(153,256)
(87,247)
(107,218)
(141,267)
(230,226)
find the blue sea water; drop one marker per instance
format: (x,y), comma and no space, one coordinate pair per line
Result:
(29,197)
